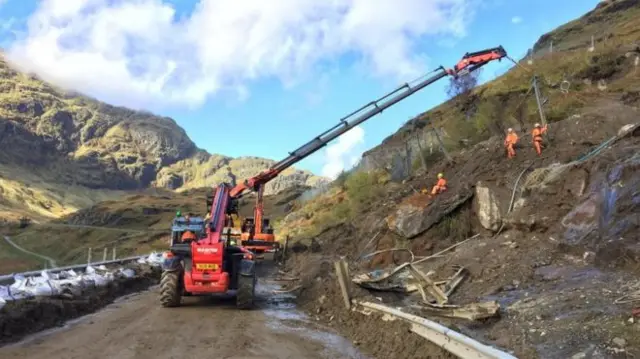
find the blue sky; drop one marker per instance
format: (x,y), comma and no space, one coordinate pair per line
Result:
(240,97)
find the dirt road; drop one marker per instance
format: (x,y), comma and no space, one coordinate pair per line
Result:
(137,327)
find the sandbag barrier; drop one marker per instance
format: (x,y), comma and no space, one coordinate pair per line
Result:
(68,281)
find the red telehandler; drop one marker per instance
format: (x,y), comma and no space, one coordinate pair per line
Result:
(209,264)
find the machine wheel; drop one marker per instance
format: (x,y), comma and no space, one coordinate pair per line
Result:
(246,291)
(170,291)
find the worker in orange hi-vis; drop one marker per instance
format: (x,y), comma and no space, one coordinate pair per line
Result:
(537,133)
(440,186)
(188,236)
(510,142)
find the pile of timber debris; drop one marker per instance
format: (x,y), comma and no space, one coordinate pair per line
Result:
(408,278)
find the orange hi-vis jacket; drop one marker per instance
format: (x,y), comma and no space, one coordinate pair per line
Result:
(511,139)
(537,133)
(442,183)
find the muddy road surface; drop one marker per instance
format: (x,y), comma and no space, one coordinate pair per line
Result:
(138,327)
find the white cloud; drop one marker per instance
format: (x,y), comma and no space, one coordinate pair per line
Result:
(136,53)
(344,153)
(516,19)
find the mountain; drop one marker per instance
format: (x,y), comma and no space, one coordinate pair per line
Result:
(60,151)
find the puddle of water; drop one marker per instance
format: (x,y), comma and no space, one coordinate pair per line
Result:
(333,343)
(283,316)
(570,274)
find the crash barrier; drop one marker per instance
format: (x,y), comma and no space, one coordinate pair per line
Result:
(448,339)
(68,280)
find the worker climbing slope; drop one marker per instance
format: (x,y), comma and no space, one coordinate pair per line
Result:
(537,133)
(440,186)
(510,142)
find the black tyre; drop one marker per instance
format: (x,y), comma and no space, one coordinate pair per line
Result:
(170,289)
(246,291)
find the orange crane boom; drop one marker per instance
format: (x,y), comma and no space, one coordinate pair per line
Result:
(469,62)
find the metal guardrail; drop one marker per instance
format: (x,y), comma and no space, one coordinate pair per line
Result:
(4,279)
(446,338)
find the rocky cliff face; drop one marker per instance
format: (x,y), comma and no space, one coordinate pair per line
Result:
(71,139)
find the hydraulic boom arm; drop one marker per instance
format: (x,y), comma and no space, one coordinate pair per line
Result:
(470,62)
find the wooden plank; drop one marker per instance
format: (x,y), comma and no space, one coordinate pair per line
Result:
(430,286)
(342,273)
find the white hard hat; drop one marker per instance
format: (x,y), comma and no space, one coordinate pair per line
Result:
(536,125)
(510,129)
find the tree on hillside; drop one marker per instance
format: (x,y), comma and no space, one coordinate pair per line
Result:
(462,85)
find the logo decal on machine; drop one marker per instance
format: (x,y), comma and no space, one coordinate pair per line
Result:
(207,250)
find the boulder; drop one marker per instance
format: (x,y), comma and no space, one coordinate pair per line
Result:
(418,212)
(487,207)
(490,204)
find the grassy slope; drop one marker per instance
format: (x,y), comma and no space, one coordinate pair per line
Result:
(13,260)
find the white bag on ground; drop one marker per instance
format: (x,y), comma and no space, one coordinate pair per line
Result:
(127,272)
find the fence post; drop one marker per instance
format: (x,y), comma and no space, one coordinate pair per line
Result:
(89,256)
(104,255)
(114,253)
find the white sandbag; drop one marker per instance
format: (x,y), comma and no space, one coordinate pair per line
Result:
(31,286)
(5,293)
(99,280)
(18,289)
(127,272)
(155,258)
(43,289)
(69,274)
